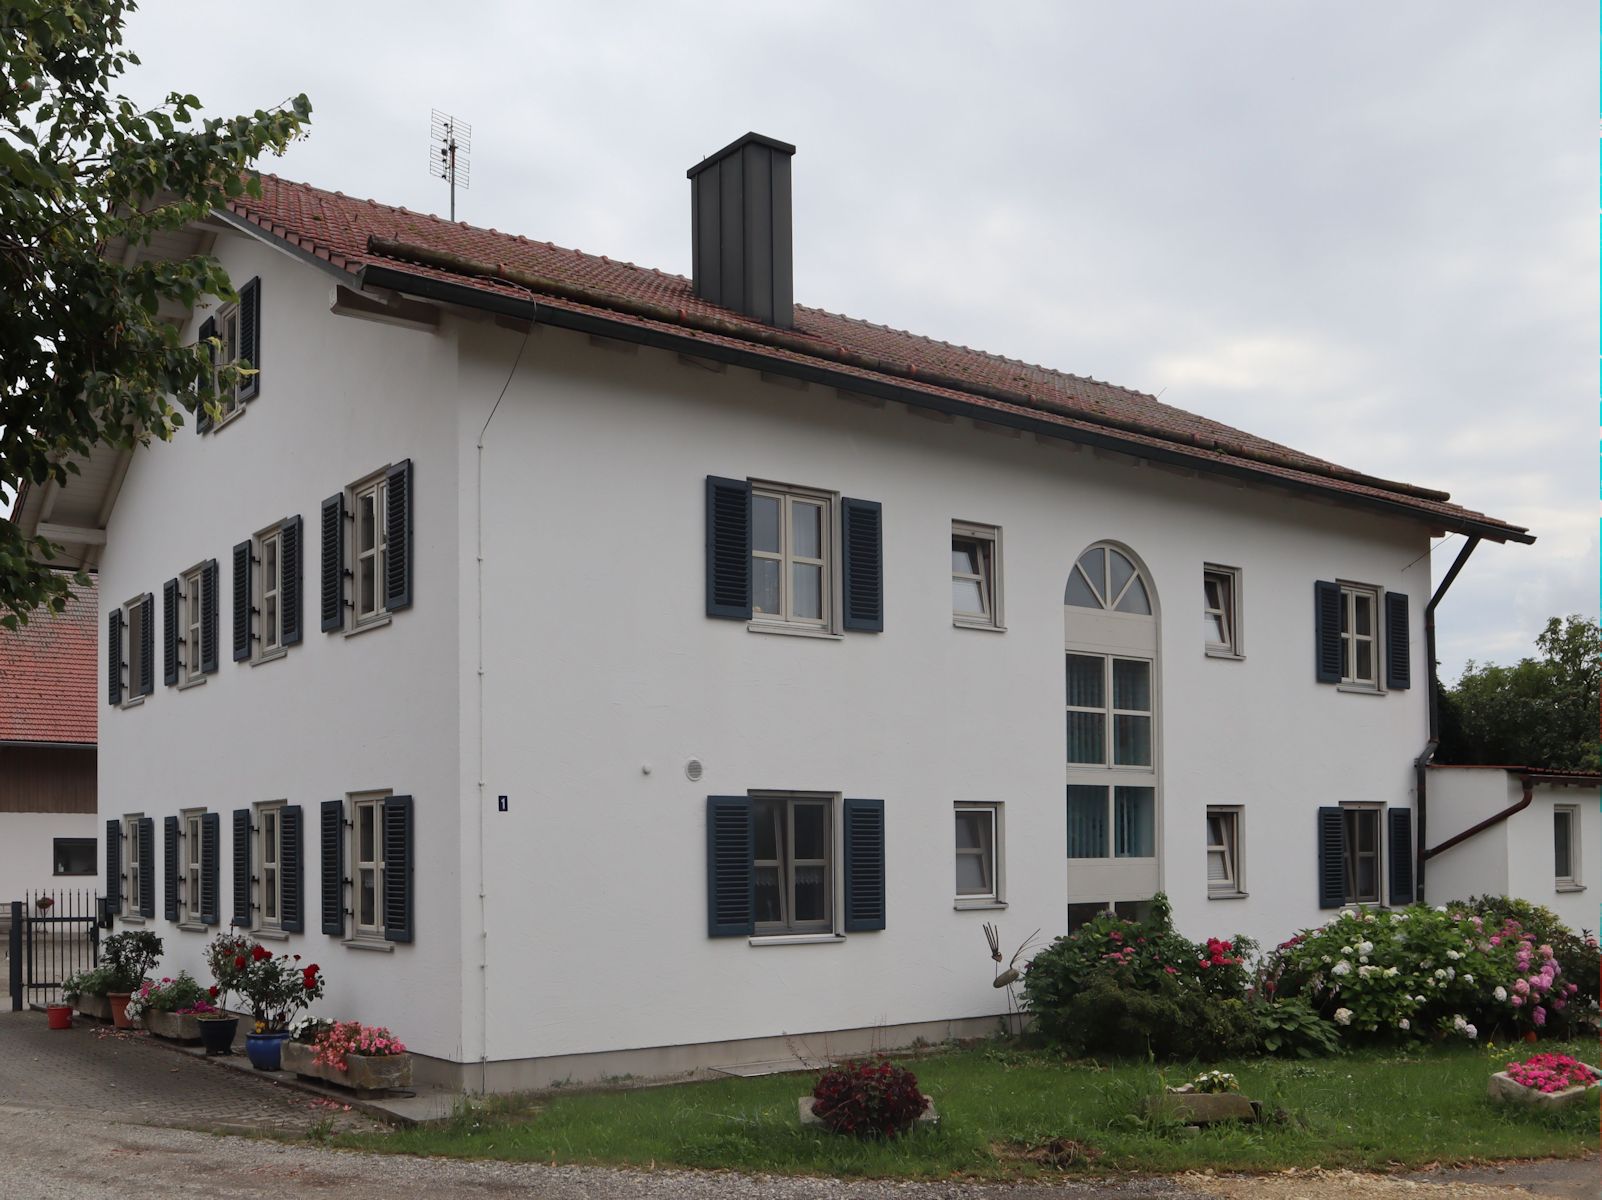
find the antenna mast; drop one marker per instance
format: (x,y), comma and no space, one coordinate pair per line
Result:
(447,156)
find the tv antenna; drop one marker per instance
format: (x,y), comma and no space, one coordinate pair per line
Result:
(447,156)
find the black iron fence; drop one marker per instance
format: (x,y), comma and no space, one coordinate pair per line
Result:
(53,936)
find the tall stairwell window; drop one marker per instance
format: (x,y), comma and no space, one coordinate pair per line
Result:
(1112,722)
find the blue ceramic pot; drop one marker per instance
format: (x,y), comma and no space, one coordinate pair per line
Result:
(265,1049)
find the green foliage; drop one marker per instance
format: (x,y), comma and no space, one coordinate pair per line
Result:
(129,957)
(88,353)
(1135,988)
(1541,712)
(1577,952)
(1291,1026)
(97,981)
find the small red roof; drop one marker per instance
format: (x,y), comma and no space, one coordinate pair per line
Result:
(48,672)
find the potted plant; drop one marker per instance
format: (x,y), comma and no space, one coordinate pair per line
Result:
(366,1058)
(44,903)
(1546,1081)
(129,957)
(171,1008)
(297,1053)
(87,990)
(226,957)
(276,987)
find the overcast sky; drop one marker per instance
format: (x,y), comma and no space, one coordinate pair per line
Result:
(1366,230)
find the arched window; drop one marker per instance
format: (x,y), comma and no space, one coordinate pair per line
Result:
(1112,720)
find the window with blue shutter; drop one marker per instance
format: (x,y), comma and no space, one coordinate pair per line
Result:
(1331,857)
(1327,631)
(210,867)
(242,878)
(332,520)
(729,874)
(398,537)
(862,564)
(864,865)
(147,647)
(147,866)
(114,656)
(242,601)
(728,548)
(208,330)
(398,869)
(114,865)
(1400,850)
(331,820)
(290,859)
(1398,643)
(169,895)
(208,617)
(169,632)
(250,337)
(290,537)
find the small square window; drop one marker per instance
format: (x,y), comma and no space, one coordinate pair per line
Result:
(1223,852)
(792,533)
(975,576)
(1359,636)
(1565,845)
(1221,610)
(978,849)
(73,856)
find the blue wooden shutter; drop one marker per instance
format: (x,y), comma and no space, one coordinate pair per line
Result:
(169,633)
(730,878)
(1400,849)
(147,648)
(1398,643)
(1327,631)
(293,910)
(1331,858)
(862,563)
(147,866)
(398,881)
(114,656)
(208,330)
(242,598)
(208,617)
(169,896)
(114,866)
(333,594)
(728,548)
(290,536)
(242,858)
(398,536)
(864,865)
(210,864)
(250,336)
(332,819)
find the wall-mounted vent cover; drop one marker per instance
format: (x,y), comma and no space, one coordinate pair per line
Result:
(693,770)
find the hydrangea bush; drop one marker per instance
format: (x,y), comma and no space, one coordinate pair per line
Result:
(1421,972)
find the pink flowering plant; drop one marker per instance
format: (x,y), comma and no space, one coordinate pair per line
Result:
(338,1039)
(183,995)
(1551,1073)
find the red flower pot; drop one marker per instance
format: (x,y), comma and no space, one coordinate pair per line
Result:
(59,1016)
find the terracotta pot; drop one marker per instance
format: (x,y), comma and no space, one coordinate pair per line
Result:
(119,1009)
(59,1016)
(1530,1036)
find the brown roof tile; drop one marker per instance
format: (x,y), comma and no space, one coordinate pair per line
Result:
(48,675)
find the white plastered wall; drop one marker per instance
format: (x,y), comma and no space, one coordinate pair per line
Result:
(26,852)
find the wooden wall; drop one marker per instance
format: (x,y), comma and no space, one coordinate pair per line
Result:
(47,779)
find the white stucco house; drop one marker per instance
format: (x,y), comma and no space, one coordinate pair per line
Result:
(600,671)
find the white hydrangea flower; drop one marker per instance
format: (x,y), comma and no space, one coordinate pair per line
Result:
(1453,955)
(1404,1024)
(1343,1016)
(1459,1023)
(1346,950)
(1470,1032)
(1365,947)
(1440,972)
(1365,971)
(1468,979)
(1325,959)
(1390,972)
(1348,912)
(1451,972)
(1500,994)
(1440,908)
(1341,968)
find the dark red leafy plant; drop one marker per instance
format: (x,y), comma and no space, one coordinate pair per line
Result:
(871,1098)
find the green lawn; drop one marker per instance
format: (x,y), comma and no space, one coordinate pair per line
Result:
(1370,1109)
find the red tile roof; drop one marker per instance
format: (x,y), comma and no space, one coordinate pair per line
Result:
(48,674)
(341,231)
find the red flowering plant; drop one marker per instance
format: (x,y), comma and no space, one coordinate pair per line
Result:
(337,1039)
(273,986)
(871,1098)
(1551,1073)
(227,955)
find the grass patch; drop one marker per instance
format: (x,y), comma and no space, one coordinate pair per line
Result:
(1009,1113)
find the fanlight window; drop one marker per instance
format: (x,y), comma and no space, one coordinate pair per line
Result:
(1103,578)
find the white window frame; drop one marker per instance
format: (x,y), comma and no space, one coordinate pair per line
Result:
(191,620)
(991,855)
(787,863)
(1570,882)
(376,486)
(1232,818)
(1350,854)
(267,859)
(788,497)
(1350,638)
(1227,580)
(361,867)
(267,593)
(133,647)
(1110,713)
(986,542)
(229,406)
(130,864)
(190,840)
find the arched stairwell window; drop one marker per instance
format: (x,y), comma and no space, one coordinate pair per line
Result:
(1112,734)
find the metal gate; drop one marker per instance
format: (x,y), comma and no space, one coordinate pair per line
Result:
(54,935)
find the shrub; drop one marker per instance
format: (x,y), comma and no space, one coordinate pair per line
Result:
(1290,1025)
(868,1099)
(181,995)
(94,982)
(1577,953)
(275,987)
(129,957)
(227,955)
(1133,988)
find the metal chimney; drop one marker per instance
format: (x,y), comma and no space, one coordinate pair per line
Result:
(740,228)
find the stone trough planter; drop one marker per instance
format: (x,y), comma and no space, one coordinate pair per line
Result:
(809,1118)
(177,1027)
(1203,1108)
(365,1073)
(98,1007)
(1504,1089)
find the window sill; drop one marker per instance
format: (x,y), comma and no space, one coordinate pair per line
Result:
(191,683)
(806,631)
(983,626)
(270,656)
(191,927)
(135,702)
(978,905)
(370,623)
(1225,654)
(1566,888)
(271,935)
(1228,895)
(796,939)
(371,945)
(1357,689)
(131,918)
(228,418)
